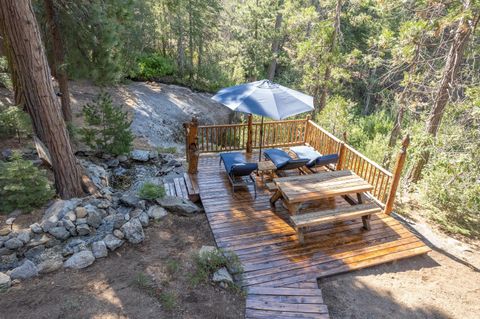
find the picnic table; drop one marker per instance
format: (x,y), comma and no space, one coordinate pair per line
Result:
(297,190)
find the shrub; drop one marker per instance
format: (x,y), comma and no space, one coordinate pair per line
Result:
(14,122)
(154,66)
(169,150)
(108,127)
(22,185)
(209,262)
(151,191)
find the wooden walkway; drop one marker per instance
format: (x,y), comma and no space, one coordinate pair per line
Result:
(280,275)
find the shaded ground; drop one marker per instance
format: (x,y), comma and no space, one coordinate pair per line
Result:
(431,286)
(150,280)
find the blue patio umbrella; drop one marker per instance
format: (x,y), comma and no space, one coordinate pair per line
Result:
(266,99)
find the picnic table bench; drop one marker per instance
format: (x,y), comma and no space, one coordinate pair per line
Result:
(297,190)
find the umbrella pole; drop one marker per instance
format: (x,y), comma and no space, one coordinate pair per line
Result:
(261,141)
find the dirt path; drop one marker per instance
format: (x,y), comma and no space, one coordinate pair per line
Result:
(431,286)
(150,280)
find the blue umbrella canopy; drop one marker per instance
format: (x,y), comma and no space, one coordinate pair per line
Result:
(265,98)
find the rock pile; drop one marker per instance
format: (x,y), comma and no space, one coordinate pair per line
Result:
(73,233)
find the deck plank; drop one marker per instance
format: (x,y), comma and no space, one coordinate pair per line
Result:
(280,275)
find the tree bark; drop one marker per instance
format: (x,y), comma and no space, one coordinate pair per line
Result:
(29,59)
(455,55)
(180,47)
(328,69)
(275,45)
(58,60)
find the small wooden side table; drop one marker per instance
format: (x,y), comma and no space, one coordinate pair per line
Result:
(266,168)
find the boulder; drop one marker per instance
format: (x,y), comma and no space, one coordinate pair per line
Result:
(94,218)
(8,261)
(5,231)
(5,282)
(222,276)
(71,215)
(34,253)
(118,233)
(13,243)
(143,218)
(133,231)
(59,232)
(24,236)
(56,212)
(157,212)
(179,205)
(140,155)
(81,212)
(49,261)
(83,230)
(129,199)
(118,221)
(80,260)
(36,228)
(99,249)
(27,270)
(113,162)
(97,174)
(112,242)
(122,158)
(81,221)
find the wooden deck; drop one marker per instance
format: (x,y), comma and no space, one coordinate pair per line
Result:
(280,275)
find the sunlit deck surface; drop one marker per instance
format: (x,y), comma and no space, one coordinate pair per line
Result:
(281,275)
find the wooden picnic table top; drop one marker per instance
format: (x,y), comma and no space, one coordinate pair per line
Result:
(295,189)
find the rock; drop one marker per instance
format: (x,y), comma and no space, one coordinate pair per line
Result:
(122,158)
(97,174)
(94,218)
(118,233)
(129,200)
(206,250)
(81,221)
(133,231)
(27,270)
(80,260)
(5,251)
(140,155)
(38,240)
(118,221)
(83,230)
(135,213)
(13,243)
(6,154)
(157,212)
(119,171)
(104,204)
(113,162)
(24,236)
(49,261)
(5,231)
(143,218)
(153,155)
(178,205)
(222,275)
(99,249)
(35,228)
(71,216)
(59,232)
(35,252)
(10,220)
(8,261)
(5,282)
(81,212)
(112,242)
(56,212)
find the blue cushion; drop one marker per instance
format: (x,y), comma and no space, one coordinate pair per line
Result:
(315,158)
(236,165)
(282,160)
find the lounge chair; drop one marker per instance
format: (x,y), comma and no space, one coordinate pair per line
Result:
(283,161)
(239,171)
(315,158)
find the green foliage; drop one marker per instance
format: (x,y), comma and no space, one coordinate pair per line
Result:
(209,262)
(14,122)
(167,150)
(5,79)
(168,300)
(154,66)
(335,117)
(22,185)
(108,127)
(151,191)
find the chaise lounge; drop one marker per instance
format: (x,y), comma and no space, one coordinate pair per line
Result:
(315,158)
(239,171)
(283,161)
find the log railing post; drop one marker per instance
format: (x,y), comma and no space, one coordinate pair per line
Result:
(250,133)
(397,172)
(342,153)
(307,129)
(191,145)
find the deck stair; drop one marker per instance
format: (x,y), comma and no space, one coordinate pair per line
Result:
(185,186)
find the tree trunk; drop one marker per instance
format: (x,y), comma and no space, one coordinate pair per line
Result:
(447,83)
(180,47)
(28,57)
(275,44)
(190,39)
(328,70)
(58,59)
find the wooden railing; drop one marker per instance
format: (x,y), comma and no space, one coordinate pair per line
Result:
(231,137)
